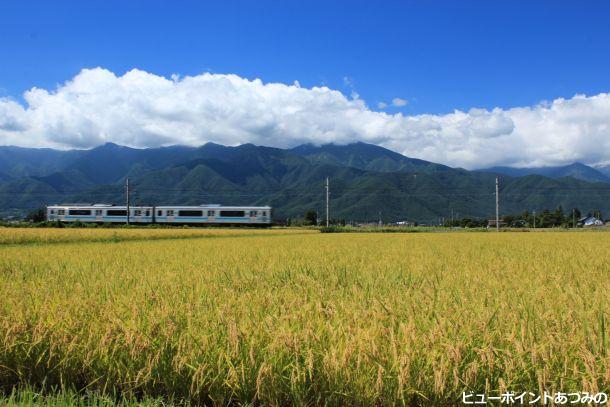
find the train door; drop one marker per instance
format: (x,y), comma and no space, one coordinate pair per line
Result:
(99,215)
(211,216)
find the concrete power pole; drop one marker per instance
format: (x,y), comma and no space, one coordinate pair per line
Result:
(127,197)
(534,218)
(327,202)
(497,206)
(574,218)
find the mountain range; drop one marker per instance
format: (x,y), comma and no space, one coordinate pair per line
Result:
(367,181)
(575,170)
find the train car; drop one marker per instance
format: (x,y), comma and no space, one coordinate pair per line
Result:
(181,215)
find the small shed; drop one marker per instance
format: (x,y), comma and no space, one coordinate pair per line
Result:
(589,221)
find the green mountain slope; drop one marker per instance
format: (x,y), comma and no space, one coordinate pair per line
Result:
(364,156)
(575,170)
(292,181)
(19,161)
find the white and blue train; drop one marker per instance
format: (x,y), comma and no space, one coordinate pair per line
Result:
(179,215)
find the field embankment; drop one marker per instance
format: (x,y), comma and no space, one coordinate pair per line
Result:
(21,236)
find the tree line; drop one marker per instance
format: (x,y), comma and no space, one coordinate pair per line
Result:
(544,219)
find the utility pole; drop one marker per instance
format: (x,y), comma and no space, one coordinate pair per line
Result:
(534,218)
(452,217)
(127,193)
(380,223)
(574,218)
(497,206)
(327,202)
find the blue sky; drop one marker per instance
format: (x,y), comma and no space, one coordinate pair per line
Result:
(439,56)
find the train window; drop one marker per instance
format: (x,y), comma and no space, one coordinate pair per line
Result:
(264,213)
(190,213)
(137,212)
(170,212)
(52,211)
(61,212)
(147,212)
(252,214)
(159,213)
(210,213)
(81,212)
(116,212)
(232,214)
(98,212)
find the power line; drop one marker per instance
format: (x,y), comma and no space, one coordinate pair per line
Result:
(478,190)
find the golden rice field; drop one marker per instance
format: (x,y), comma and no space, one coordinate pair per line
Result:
(286,317)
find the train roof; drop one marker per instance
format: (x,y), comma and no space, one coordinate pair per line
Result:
(89,205)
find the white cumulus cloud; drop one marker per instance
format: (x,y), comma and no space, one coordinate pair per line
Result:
(141,109)
(398,102)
